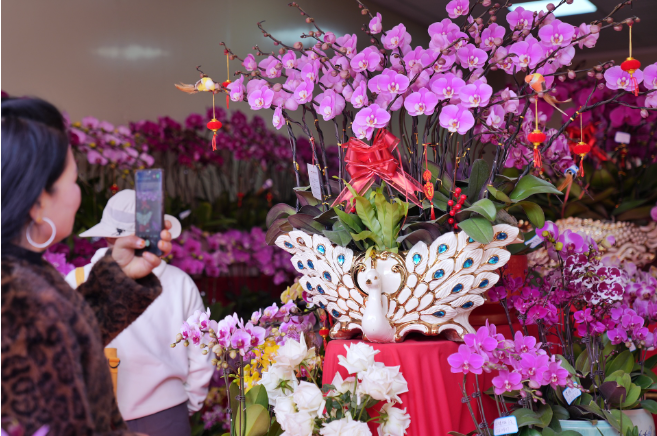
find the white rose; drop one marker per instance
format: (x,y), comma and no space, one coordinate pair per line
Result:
(275,379)
(394,422)
(299,424)
(345,427)
(382,383)
(293,353)
(284,407)
(343,386)
(308,398)
(360,356)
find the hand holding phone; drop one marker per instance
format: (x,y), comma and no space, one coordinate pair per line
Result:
(149,210)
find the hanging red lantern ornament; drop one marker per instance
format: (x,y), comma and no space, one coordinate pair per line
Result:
(114,188)
(581,149)
(214,125)
(537,138)
(631,65)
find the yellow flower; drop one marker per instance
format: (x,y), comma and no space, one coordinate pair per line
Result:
(251,377)
(292,293)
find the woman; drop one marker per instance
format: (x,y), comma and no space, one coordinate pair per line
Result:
(54,371)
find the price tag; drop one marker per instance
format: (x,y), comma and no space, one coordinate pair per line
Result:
(622,138)
(315,184)
(533,242)
(632,347)
(506,425)
(570,394)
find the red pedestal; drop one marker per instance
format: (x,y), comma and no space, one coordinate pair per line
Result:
(434,397)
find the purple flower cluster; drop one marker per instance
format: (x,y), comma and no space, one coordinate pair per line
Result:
(521,363)
(65,259)
(197,252)
(640,291)
(293,326)
(230,333)
(103,144)
(630,330)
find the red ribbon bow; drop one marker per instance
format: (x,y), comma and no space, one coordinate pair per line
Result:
(365,163)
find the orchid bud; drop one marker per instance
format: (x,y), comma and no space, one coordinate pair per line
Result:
(179,337)
(486,3)
(601,86)
(277,87)
(217,349)
(232,354)
(325,46)
(186,343)
(644,113)
(594,28)
(493,19)
(309,20)
(311,33)
(590,73)
(630,22)
(599,76)
(204,352)
(550,7)
(298,45)
(618,27)
(562,78)
(173,345)
(497,41)
(282,51)
(344,74)
(224,365)
(477,40)
(637,20)
(364,12)
(558,246)
(279,66)
(214,362)
(609,20)
(441,61)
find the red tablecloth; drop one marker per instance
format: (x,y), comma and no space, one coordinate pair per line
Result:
(434,397)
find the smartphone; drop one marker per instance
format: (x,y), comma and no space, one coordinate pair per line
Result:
(149,209)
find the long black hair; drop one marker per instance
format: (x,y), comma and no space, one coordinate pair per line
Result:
(34,150)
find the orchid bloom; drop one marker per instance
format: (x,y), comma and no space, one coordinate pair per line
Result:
(618,79)
(650,77)
(456,8)
(373,116)
(241,341)
(528,54)
(447,86)
(304,92)
(520,18)
(277,120)
(236,89)
(331,104)
(250,63)
(367,60)
(507,382)
(375,24)
(492,36)
(261,98)
(395,38)
(476,94)
(456,119)
(472,57)
(421,103)
(465,361)
(557,33)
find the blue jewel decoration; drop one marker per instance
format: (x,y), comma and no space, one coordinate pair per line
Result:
(470,240)
(327,276)
(288,245)
(501,236)
(439,314)
(439,274)
(335,313)
(321,249)
(300,265)
(468,305)
(483,283)
(341,259)
(442,248)
(320,289)
(311,265)
(493,260)
(322,305)
(468,263)
(456,289)
(309,286)
(417,258)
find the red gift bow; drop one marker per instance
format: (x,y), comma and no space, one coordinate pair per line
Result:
(365,163)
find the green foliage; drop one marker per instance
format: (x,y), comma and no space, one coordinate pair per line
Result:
(479,229)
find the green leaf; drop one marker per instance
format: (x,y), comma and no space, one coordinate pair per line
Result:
(628,205)
(643,381)
(547,431)
(534,212)
(527,417)
(650,406)
(545,414)
(479,229)
(257,395)
(478,176)
(499,195)
(583,363)
(367,215)
(274,428)
(278,227)
(614,418)
(633,395)
(530,185)
(485,208)
(366,234)
(651,362)
(257,420)
(624,361)
(388,224)
(504,217)
(570,433)
(305,196)
(306,223)
(339,237)
(560,412)
(526,431)
(350,220)
(565,365)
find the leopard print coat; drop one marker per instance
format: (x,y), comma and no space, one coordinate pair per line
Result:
(54,371)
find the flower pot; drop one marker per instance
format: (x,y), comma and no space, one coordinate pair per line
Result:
(639,417)
(493,312)
(430,289)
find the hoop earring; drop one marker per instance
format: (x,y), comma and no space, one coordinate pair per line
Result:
(49,241)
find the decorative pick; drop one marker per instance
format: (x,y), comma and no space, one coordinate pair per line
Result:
(631,65)
(537,138)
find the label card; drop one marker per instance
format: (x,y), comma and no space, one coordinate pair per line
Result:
(622,138)
(315,184)
(570,394)
(533,242)
(506,425)
(632,347)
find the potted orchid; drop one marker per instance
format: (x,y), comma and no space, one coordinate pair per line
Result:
(444,115)
(590,360)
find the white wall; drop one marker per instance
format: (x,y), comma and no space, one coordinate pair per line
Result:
(118,59)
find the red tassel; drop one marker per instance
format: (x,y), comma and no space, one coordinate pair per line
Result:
(433,213)
(538,162)
(581,168)
(214,142)
(227,101)
(635,84)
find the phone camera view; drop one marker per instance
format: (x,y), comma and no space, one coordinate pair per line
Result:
(149,207)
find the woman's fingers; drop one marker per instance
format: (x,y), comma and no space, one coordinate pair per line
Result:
(165,235)
(151,258)
(167,225)
(131,241)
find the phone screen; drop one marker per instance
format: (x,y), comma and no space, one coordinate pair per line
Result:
(149,208)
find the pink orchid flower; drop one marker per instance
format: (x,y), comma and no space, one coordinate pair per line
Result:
(465,361)
(271,67)
(375,24)
(456,119)
(650,77)
(456,8)
(507,382)
(472,57)
(534,366)
(373,116)
(557,33)
(261,99)
(359,95)
(367,60)
(492,36)
(347,44)
(250,63)
(331,104)
(395,38)
(442,67)
(277,120)
(236,89)
(591,38)
(496,117)
(528,54)
(476,94)
(555,375)
(289,60)
(304,92)
(329,37)
(389,82)
(240,340)
(421,103)
(447,86)
(520,19)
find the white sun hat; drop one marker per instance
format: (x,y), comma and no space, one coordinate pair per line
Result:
(119,218)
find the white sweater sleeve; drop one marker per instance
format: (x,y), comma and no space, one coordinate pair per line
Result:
(200,367)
